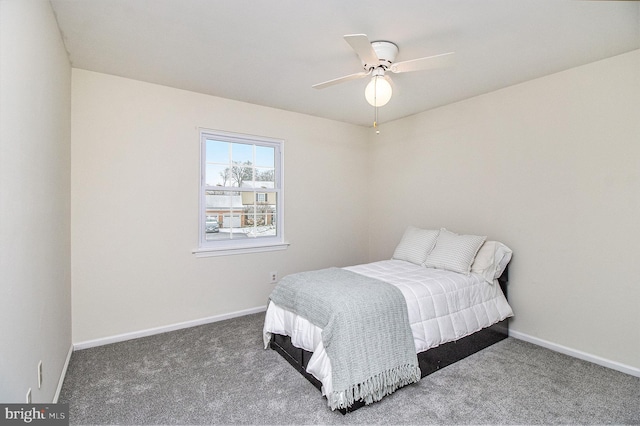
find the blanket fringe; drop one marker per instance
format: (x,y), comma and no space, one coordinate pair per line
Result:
(375,388)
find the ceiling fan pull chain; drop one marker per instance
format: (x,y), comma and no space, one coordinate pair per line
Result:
(375,106)
(375,120)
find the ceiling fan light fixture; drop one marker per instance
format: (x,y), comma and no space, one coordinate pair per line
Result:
(378,92)
(378,57)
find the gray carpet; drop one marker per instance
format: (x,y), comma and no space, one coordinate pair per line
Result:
(219,374)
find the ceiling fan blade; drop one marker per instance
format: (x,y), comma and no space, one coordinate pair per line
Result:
(428,63)
(362,46)
(341,80)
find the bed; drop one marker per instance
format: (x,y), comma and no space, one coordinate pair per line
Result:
(453,290)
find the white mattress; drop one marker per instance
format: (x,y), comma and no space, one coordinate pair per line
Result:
(443,306)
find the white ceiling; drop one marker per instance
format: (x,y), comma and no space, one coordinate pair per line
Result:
(271,52)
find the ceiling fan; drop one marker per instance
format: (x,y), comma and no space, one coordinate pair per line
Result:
(377,58)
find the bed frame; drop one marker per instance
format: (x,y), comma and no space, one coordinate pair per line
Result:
(429,361)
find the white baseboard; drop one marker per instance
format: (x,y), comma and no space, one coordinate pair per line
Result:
(157,330)
(62,375)
(576,353)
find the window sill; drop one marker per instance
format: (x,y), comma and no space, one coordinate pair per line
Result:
(229,251)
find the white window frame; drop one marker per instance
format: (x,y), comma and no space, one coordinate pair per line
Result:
(246,245)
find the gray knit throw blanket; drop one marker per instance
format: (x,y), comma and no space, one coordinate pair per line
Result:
(365,331)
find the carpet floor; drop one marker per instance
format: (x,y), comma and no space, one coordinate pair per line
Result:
(219,373)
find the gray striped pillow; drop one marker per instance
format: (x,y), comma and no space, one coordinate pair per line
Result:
(415,245)
(454,252)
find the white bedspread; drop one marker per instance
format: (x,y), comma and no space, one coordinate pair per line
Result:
(443,306)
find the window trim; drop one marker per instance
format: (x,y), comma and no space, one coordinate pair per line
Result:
(240,246)
(212,252)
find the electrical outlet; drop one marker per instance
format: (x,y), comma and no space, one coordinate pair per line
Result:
(29,396)
(273,276)
(40,374)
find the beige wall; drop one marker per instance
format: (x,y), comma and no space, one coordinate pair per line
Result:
(550,167)
(35,281)
(135,174)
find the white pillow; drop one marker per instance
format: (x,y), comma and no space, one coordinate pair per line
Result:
(454,252)
(491,260)
(416,243)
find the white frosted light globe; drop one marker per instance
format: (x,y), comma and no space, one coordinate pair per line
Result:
(378,92)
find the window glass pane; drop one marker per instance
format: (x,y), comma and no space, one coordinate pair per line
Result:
(223,209)
(272,201)
(265,156)
(217,152)
(241,176)
(260,214)
(265,177)
(218,175)
(242,153)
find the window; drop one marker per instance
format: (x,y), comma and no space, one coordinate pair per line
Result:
(240,194)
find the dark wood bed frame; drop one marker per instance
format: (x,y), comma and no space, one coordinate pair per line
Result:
(429,361)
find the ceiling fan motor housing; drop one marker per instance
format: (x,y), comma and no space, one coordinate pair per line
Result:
(386,52)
